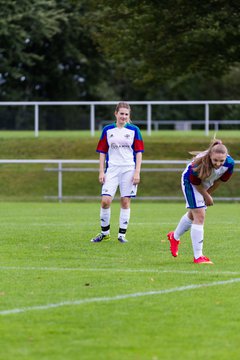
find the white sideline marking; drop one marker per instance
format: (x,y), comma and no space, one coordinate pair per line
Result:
(114,298)
(32,268)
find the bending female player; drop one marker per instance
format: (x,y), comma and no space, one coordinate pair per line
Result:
(120,147)
(200,179)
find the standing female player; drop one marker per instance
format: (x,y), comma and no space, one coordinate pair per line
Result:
(199,180)
(120,147)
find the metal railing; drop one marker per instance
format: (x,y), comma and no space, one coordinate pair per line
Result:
(179,124)
(60,169)
(92,105)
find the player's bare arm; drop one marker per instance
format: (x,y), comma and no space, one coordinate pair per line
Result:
(136,176)
(101,176)
(207,197)
(214,186)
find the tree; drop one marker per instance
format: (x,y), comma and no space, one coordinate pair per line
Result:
(106,50)
(45,51)
(156,41)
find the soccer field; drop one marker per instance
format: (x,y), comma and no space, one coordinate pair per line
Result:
(63,297)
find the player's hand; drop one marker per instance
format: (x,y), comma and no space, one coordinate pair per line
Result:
(101,177)
(136,178)
(208,200)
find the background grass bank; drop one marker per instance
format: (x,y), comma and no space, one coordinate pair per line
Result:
(34,183)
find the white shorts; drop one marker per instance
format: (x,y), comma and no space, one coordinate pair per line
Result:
(192,196)
(121,176)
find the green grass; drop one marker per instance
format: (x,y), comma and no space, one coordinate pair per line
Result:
(75,134)
(47,258)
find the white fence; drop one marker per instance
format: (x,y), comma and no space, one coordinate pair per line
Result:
(92,105)
(185,125)
(60,169)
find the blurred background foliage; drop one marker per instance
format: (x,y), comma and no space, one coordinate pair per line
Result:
(112,50)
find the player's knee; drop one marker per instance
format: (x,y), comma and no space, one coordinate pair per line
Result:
(106,202)
(125,202)
(199,219)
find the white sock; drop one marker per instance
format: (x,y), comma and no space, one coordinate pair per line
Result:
(184,225)
(197,239)
(105,215)
(124,220)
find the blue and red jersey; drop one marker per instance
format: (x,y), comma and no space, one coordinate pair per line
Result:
(223,173)
(120,144)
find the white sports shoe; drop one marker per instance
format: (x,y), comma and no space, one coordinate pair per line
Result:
(122,239)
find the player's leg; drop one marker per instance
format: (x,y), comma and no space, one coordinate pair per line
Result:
(124,218)
(197,236)
(127,191)
(109,189)
(193,200)
(184,225)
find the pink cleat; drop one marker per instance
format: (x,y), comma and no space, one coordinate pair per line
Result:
(202,260)
(173,243)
